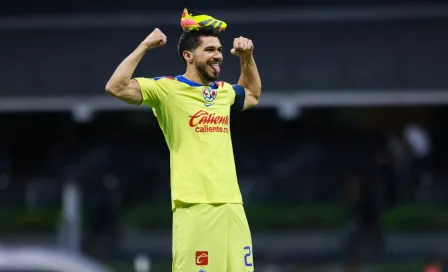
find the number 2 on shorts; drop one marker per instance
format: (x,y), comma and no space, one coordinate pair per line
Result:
(248,254)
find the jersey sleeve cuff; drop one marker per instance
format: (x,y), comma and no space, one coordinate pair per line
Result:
(240,95)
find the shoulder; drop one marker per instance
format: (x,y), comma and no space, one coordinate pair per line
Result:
(163,78)
(237,89)
(229,86)
(155,82)
(154,79)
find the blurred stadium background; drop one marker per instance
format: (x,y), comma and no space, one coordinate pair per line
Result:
(343,167)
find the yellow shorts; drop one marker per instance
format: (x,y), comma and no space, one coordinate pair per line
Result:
(211,238)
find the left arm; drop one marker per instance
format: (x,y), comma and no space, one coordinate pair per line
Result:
(250,78)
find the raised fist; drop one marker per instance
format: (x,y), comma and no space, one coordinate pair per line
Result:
(155,39)
(242,47)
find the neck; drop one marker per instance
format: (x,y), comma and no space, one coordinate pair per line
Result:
(194,76)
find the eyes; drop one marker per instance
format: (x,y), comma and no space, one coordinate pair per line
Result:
(213,49)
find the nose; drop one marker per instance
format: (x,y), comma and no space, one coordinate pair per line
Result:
(217,56)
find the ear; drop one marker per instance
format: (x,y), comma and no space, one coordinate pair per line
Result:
(188,56)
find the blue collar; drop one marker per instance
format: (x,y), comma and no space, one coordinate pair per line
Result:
(185,80)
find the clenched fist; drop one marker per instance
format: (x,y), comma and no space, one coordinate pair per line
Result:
(155,39)
(242,47)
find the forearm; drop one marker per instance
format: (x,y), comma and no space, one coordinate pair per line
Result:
(122,76)
(250,78)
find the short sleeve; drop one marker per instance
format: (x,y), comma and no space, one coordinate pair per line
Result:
(152,92)
(240,95)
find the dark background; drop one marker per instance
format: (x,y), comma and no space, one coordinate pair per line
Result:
(330,179)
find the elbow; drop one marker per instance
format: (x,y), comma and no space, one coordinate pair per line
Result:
(257,97)
(109,88)
(112,89)
(109,91)
(256,94)
(255,101)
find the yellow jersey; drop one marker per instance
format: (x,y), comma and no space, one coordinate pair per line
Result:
(195,120)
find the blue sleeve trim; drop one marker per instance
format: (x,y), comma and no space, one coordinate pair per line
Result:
(240,96)
(157,78)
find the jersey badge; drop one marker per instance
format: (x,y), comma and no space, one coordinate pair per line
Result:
(209,95)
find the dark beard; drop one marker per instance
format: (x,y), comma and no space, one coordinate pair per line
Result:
(202,71)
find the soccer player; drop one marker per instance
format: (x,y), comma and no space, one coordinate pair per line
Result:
(210,230)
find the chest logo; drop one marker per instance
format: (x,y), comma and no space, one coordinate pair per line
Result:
(209,95)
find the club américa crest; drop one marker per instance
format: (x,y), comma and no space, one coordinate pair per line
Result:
(209,94)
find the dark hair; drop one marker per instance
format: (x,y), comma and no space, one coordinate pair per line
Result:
(191,40)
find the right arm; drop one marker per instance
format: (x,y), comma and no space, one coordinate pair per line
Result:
(121,85)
